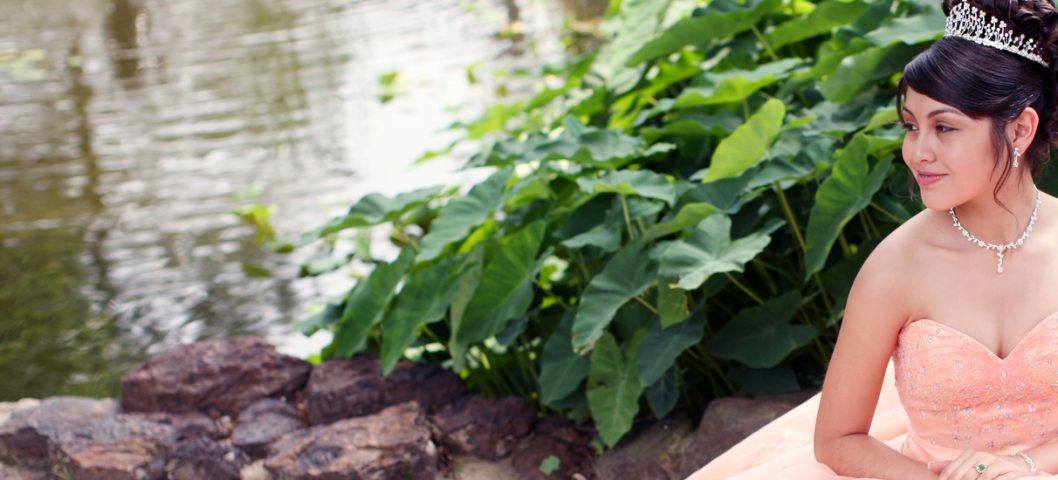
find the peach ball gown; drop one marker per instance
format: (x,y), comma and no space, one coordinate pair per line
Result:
(944,392)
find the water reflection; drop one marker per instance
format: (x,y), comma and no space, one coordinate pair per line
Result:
(127,127)
(123,26)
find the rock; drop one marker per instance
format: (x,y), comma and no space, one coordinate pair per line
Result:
(467,467)
(262,423)
(254,471)
(654,452)
(126,446)
(431,386)
(9,408)
(392,444)
(119,460)
(727,421)
(17,473)
(217,377)
(484,427)
(200,457)
(26,437)
(344,388)
(561,438)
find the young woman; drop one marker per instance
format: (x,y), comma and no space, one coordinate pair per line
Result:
(961,297)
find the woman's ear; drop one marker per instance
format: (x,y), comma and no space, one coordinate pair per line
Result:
(1022,129)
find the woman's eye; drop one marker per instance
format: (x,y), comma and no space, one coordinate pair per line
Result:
(944,128)
(908,126)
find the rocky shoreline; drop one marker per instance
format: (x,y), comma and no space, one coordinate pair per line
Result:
(237,409)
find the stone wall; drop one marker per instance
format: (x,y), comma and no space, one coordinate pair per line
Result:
(237,409)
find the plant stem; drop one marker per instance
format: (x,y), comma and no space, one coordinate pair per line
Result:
(784,273)
(628,219)
(709,360)
(762,270)
(764,41)
(579,260)
(646,304)
(745,289)
(788,213)
(845,249)
(875,233)
(886,213)
(548,290)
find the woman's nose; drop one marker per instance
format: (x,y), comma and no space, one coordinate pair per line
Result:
(919,149)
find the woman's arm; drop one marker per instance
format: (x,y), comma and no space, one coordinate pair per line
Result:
(875,313)
(1045,457)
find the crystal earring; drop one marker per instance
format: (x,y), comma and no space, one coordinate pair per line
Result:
(1017,153)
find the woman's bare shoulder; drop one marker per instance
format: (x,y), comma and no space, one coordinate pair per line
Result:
(898,254)
(887,280)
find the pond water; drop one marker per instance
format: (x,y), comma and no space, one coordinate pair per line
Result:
(130,130)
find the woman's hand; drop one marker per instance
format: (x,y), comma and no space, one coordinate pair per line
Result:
(997,467)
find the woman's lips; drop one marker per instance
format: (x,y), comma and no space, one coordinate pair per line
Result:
(927,179)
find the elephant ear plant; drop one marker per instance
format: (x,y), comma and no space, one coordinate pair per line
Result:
(678,217)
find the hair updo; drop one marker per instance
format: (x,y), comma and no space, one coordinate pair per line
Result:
(985,82)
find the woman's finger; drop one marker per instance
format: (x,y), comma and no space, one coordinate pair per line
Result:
(937,466)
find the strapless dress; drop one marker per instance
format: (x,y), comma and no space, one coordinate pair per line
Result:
(944,392)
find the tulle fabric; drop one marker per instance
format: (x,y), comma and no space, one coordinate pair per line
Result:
(943,392)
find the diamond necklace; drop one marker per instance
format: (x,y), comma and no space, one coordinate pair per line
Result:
(1000,249)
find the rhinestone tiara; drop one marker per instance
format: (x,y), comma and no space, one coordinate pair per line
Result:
(969,22)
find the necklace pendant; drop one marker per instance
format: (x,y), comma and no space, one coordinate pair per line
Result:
(1000,249)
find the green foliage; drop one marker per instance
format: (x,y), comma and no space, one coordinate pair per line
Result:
(681,217)
(550,464)
(614,387)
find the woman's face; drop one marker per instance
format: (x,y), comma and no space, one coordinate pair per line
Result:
(950,154)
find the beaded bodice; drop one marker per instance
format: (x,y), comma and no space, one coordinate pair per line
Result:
(960,395)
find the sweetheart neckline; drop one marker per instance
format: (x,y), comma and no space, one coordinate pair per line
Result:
(977,342)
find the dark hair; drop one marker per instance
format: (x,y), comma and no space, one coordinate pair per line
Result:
(985,82)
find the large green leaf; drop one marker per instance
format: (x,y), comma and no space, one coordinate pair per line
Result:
(629,273)
(457,306)
(921,27)
(661,346)
(710,250)
(644,183)
(733,86)
(663,394)
(668,74)
(672,303)
(373,209)
(423,300)
(745,146)
(860,71)
(604,237)
(367,303)
(589,213)
(827,16)
(762,336)
(603,148)
(508,290)
(635,21)
(464,213)
(529,190)
(765,381)
(725,194)
(561,369)
(687,216)
(721,19)
(849,189)
(613,388)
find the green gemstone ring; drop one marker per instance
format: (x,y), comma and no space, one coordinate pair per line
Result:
(980,467)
